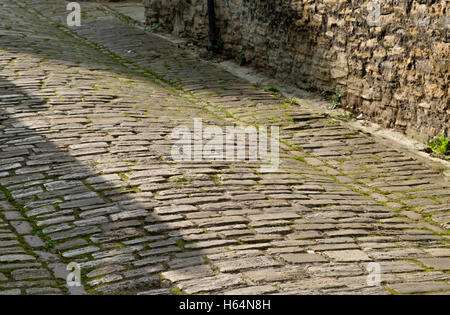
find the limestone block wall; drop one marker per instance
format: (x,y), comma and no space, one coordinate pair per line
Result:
(396,72)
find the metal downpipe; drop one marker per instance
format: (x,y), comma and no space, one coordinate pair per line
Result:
(212,40)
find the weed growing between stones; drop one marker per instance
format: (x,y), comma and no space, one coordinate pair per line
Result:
(273,90)
(336,101)
(439,147)
(242,59)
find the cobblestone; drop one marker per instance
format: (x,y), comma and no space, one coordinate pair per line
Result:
(86,176)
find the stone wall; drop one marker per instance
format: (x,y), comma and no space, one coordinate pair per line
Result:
(397,73)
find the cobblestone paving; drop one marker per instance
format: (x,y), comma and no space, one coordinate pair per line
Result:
(86,176)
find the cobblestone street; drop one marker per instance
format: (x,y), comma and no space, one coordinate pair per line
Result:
(87,176)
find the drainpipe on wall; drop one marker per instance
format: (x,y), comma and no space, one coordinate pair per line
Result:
(212,41)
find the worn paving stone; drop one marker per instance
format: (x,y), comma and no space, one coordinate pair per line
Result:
(25,274)
(212,283)
(419,287)
(13,258)
(252,290)
(399,266)
(436,263)
(10,292)
(439,252)
(43,290)
(348,255)
(301,258)
(156,292)
(80,251)
(407,253)
(33,241)
(312,284)
(3,277)
(22,227)
(210,244)
(188,273)
(335,270)
(105,271)
(276,275)
(246,263)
